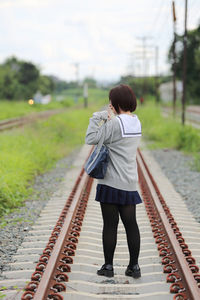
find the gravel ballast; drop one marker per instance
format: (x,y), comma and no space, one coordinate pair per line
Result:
(186,181)
(20,222)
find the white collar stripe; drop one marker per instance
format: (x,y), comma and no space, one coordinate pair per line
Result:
(130,126)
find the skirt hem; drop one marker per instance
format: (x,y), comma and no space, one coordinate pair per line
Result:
(107,194)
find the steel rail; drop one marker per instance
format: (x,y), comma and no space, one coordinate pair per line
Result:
(16,122)
(188,109)
(43,288)
(188,288)
(189,119)
(63,241)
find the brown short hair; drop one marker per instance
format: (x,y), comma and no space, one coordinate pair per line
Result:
(122,96)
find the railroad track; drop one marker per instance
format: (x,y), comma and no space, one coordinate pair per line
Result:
(67,263)
(192,115)
(17,122)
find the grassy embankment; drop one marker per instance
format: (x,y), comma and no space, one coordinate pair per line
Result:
(163,132)
(26,152)
(13,109)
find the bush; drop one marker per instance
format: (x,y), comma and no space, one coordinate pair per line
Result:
(188,139)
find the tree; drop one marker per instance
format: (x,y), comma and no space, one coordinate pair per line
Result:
(193,61)
(91,82)
(8,83)
(46,84)
(137,84)
(18,79)
(21,80)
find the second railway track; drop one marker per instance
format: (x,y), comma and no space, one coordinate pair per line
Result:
(192,115)
(20,121)
(68,259)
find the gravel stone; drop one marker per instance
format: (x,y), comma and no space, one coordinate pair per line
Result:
(178,168)
(21,221)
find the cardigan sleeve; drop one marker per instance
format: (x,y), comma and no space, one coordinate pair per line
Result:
(99,123)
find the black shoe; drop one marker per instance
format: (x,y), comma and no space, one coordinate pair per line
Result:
(106,270)
(133,271)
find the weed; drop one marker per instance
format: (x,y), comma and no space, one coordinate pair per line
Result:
(163,132)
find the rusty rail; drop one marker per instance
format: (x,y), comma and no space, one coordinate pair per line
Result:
(17,122)
(58,265)
(191,120)
(176,257)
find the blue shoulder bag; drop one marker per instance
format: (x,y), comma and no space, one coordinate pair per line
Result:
(97,162)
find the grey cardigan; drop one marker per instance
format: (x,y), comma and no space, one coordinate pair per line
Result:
(122,135)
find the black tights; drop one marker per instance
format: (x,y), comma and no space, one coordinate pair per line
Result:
(110,213)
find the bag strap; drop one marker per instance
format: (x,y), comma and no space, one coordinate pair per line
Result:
(100,143)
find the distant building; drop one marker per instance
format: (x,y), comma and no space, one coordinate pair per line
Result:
(166,91)
(39,98)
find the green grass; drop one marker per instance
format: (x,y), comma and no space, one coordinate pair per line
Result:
(2,296)
(12,109)
(163,132)
(26,152)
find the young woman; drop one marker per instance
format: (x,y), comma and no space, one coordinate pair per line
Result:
(117,192)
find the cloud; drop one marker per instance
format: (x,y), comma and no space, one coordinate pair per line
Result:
(23,3)
(100,33)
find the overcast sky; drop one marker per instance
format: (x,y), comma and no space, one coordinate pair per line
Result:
(102,36)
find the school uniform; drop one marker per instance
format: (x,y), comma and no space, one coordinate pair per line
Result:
(122,134)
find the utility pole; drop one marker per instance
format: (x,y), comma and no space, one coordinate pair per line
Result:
(76,65)
(147,56)
(85,94)
(144,38)
(184,64)
(156,74)
(174,59)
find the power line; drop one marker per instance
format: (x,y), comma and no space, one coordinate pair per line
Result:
(144,52)
(155,22)
(164,27)
(160,14)
(195,16)
(193,3)
(162,23)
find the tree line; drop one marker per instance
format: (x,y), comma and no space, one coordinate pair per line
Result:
(193,62)
(20,80)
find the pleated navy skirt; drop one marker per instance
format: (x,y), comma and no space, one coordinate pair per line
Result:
(108,194)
